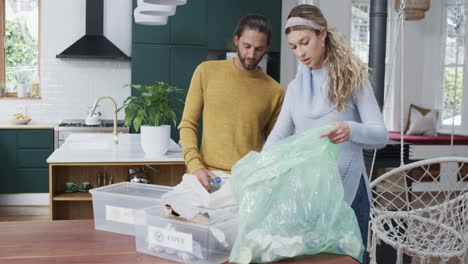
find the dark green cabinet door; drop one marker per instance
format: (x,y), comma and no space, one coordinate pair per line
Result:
(223,16)
(33,158)
(35,139)
(31,181)
(150,63)
(188,25)
(184,61)
(7,176)
(8,139)
(149,34)
(270,9)
(23,160)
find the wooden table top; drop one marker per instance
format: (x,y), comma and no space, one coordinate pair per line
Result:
(76,241)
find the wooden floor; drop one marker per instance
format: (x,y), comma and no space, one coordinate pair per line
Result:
(24,213)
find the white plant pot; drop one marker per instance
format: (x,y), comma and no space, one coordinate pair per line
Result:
(22,89)
(155,139)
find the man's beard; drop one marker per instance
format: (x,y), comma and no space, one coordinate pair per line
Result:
(246,66)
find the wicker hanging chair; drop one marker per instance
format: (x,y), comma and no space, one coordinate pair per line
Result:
(415,220)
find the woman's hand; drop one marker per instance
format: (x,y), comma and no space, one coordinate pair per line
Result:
(339,133)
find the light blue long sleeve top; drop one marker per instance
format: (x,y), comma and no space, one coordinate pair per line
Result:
(307,106)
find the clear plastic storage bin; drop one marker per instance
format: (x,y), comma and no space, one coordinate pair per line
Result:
(183,241)
(114,205)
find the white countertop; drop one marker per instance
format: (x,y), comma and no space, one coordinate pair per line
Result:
(99,148)
(28,126)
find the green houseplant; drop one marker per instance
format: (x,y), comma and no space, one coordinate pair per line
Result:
(2,89)
(151,113)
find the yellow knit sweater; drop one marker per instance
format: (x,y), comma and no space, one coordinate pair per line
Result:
(239,110)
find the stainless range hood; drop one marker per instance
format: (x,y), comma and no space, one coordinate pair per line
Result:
(94,45)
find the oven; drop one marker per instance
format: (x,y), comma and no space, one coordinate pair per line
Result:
(74,126)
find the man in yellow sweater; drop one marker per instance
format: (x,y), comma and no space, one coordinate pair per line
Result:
(239,103)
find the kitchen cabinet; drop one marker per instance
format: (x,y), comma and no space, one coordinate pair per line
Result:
(184,61)
(171,64)
(144,34)
(78,205)
(7,159)
(224,15)
(188,25)
(153,64)
(149,34)
(209,23)
(32,180)
(272,10)
(223,18)
(79,160)
(174,65)
(23,155)
(170,53)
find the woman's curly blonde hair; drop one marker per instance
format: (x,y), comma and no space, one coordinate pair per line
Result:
(346,71)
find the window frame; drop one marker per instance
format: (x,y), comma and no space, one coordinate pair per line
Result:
(2,40)
(463,127)
(364,3)
(14,95)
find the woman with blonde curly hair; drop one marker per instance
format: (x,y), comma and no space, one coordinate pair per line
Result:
(332,87)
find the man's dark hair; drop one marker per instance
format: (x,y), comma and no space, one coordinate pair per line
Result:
(256,22)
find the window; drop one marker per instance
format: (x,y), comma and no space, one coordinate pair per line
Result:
(19,25)
(360,39)
(360,29)
(453,105)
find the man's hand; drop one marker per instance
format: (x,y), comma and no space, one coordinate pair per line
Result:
(202,176)
(339,133)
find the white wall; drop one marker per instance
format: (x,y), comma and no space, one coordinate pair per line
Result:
(413,59)
(68,87)
(288,61)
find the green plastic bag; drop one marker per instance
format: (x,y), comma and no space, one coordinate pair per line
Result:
(291,202)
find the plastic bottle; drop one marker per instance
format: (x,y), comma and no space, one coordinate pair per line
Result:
(214,184)
(35,87)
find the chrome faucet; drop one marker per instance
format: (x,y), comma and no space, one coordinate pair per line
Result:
(91,113)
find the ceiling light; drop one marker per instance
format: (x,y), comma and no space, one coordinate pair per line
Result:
(166,2)
(156,10)
(150,20)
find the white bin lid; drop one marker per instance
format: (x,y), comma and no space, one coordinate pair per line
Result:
(132,189)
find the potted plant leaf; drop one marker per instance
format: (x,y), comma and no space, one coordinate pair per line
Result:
(2,89)
(152,112)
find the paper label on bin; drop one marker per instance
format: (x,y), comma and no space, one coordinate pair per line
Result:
(120,214)
(170,239)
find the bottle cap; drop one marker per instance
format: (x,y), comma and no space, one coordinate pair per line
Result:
(217,180)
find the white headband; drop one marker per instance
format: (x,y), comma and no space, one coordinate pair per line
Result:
(299,21)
